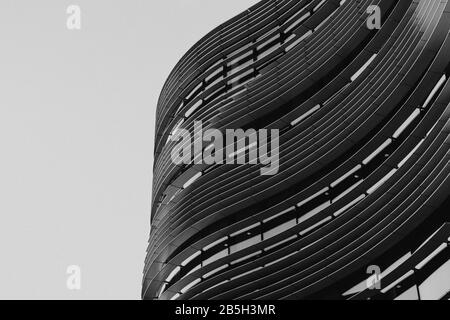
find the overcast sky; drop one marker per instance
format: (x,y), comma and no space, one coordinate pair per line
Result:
(76,135)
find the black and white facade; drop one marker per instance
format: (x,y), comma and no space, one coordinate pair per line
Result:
(359,208)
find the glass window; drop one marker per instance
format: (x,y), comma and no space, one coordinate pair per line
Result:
(280,243)
(190,285)
(173,274)
(211,245)
(319,5)
(441,248)
(297,22)
(217,256)
(435,89)
(190,258)
(246,257)
(206,275)
(437,285)
(245,244)
(410,294)
(305,115)
(378,151)
(315,226)
(382,181)
(346,192)
(280,229)
(268,51)
(192,180)
(245,230)
(348,206)
(194,269)
(279,214)
(363,68)
(175,297)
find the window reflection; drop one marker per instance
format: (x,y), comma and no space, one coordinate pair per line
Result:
(410,294)
(437,285)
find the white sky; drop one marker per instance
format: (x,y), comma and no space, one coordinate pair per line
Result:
(76,137)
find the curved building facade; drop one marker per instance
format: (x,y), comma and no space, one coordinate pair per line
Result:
(359,206)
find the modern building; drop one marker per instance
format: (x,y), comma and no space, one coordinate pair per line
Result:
(360,206)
